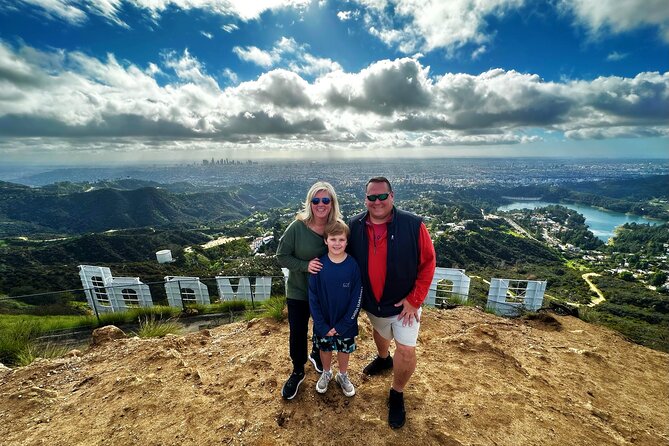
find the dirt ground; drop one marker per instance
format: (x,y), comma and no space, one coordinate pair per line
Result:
(481,380)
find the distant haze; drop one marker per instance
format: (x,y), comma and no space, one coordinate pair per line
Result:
(458,172)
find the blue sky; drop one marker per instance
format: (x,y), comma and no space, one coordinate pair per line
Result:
(122,81)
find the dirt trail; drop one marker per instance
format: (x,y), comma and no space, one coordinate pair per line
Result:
(481,380)
(598,300)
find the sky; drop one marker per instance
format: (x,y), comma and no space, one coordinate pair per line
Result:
(163,81)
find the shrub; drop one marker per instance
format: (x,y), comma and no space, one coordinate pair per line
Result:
(157,311)
(16,338)
(32,351)
(588,314)
(626,275)
(117,318)
(228,306)
(273,307)
(657,278)
(251,314)
(152,328)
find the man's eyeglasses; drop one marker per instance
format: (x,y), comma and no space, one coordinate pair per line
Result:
(317,200)
(375,197)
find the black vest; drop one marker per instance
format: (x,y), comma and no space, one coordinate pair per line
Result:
(401,264)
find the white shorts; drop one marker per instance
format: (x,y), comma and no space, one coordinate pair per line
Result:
(391,327)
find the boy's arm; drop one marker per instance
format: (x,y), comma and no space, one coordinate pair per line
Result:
(320,326)
(354,301)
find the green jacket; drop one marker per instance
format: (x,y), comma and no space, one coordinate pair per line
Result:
(298,245)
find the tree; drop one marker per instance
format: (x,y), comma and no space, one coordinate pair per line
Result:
(627,276)
(658,278)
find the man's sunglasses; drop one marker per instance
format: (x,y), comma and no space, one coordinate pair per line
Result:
(317,200)
(381,197)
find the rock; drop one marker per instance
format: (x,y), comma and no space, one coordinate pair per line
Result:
(106,334)
(74,353)
(4,368)
(44,393)
(563,309)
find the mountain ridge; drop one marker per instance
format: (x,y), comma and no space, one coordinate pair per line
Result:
(108,208)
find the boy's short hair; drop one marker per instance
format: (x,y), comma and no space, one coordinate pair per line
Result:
(335,228)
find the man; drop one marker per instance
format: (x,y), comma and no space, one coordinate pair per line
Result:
(397,261)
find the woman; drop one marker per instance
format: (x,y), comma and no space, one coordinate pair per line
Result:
(299,249)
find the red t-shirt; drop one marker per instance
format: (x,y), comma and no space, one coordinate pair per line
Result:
(377,235)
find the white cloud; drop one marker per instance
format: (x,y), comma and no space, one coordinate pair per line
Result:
(286,45)
(106,8)
(385,87)
(153,69)
(616,56)
(344,15)
(478,52)
(58,9)
(393,104)
(75,11)
(617,132)
(231,76)
(244,9)
(456,139)
(427,25)
(611,101)
(406,40)
(189,69)
(279,88)
(620,16)
(207,35)
(257,56)
(288,52)
(230,28)
(313,66)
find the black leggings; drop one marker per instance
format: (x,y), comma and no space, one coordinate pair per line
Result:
(298,320)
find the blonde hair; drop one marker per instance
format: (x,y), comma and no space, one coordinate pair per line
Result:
(335,214)
(335,228)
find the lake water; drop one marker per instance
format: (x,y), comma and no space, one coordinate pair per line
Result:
(600,222)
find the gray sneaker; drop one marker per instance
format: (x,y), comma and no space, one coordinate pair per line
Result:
(323,381)
(345,383)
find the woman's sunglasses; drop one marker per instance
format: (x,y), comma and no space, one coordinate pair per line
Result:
(381,197)
(317,200)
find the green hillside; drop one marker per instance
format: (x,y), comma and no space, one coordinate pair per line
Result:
(31,267)
(26,211)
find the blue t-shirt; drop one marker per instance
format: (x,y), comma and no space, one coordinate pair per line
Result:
(335,294)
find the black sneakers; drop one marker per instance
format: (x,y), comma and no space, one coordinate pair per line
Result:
(315,358)
(292,385)
(396,413)
(378,365)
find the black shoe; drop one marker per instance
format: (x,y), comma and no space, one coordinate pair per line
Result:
(378,365)
(292,385)
(315,358)
(396,413)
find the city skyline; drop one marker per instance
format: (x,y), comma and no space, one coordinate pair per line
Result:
(126,81)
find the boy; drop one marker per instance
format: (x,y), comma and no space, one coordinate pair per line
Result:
(335,294)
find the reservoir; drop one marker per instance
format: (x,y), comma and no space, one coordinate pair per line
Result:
(600,222)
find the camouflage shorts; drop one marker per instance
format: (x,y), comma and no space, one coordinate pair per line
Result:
(334,344)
